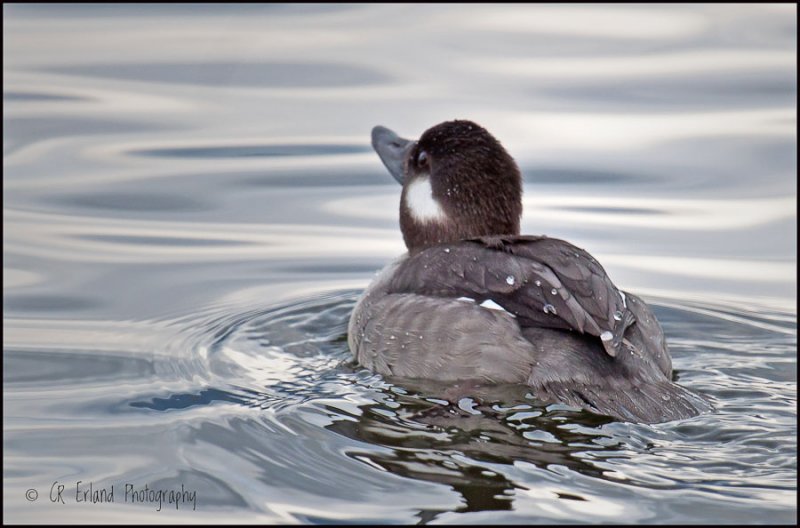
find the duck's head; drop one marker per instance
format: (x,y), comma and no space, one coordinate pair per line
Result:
(458,182)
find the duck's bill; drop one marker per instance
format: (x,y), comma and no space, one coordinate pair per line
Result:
(392,149)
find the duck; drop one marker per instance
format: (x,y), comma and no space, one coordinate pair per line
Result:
(473,300)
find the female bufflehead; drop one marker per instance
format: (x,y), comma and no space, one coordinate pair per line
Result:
(475,300)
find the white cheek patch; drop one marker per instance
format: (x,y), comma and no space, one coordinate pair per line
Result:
(420,201)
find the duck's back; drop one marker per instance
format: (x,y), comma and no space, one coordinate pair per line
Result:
(531,310)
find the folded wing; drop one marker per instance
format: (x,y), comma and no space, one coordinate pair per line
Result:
(544,282)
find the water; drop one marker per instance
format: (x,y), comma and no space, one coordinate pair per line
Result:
(191,208)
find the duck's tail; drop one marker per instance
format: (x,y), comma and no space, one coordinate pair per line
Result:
(650,402)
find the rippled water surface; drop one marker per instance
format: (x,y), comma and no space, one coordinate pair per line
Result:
(191,208)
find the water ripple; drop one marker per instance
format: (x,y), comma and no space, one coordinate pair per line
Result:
(249,74)
(243,151)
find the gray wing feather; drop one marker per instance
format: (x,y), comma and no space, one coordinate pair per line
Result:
(543,281)
(396,335)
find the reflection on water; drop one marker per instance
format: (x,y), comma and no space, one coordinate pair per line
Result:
(191,208)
